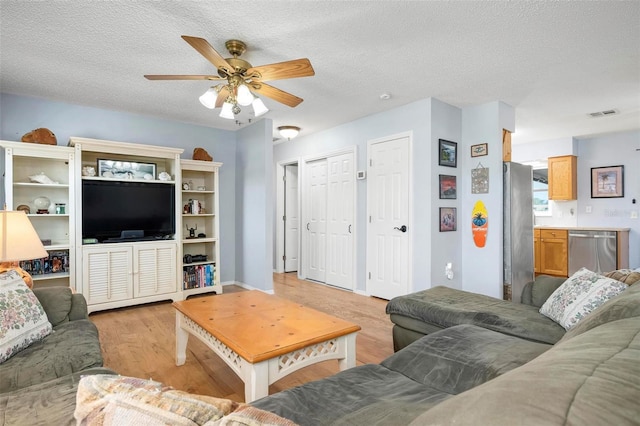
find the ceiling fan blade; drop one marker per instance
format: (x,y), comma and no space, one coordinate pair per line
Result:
(184,77)
(205,49)
(275,94)
(282,70)
(222,96)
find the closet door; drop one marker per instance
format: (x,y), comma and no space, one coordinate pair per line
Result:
(316,226)
(340,220)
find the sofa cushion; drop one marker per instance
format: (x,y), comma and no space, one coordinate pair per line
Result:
(117,400)
(367,395)
(459,358)
(49,403)
(72,347)
(56,302)
(580,294)
(22,318)
(591,379)
(445,307)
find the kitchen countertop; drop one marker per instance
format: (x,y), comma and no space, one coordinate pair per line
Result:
(582,228)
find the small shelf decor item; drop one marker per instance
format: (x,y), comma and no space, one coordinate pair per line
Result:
(607,182)
(479,150)
(448,187)
(447,153)
(118,169)
(448,219)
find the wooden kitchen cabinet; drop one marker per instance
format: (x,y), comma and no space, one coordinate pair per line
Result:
(563,179)
(536,251)
(553,250)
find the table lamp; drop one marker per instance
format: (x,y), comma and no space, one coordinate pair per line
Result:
(18,241)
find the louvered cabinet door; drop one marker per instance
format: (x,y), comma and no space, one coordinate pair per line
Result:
(107,274)
(155,269)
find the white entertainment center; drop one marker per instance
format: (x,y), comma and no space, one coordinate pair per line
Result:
(135,268)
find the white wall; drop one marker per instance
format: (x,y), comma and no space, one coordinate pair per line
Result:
(21,114)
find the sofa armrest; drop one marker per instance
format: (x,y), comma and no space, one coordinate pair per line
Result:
(79,310)
(61,305)
(527,294)
(543,287)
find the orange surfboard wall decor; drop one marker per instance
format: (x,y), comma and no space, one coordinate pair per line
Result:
(479,223)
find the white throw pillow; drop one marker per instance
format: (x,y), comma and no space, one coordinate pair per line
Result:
(580,294)
(22,319)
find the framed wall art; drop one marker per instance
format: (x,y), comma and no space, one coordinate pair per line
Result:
(126,169)
(448,219)
(447,153)
(448,187)
(607,182)
(479,150)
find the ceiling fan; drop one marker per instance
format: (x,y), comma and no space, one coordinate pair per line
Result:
(241,80)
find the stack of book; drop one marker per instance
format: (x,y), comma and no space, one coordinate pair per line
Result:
(58,261)
(198,276)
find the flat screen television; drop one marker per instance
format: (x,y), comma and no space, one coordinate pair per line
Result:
(124,211)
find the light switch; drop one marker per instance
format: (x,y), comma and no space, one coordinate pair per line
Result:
(587,209)
(634,214)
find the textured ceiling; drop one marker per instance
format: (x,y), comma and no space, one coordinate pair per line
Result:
(555,62)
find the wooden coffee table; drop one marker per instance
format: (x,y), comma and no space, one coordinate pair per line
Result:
(263,337)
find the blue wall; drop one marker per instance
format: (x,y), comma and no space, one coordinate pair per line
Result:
(254,206)
(20,114)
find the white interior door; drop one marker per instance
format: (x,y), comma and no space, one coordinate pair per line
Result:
(291,219)
(340,220)
(388,212)
(316,226)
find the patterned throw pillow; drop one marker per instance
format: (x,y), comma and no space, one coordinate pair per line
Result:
(627,276)
(580,294)
(104,399)
(22,319)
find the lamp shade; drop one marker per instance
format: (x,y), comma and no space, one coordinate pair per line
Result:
(209,97)
(244,97)
(19,240)
(289,132)
(227,111)
(259,107)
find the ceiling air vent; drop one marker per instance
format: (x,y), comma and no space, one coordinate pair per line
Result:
(603,113)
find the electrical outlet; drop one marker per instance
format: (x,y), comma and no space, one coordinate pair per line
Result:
(448,271)
(587,209)
(634,214)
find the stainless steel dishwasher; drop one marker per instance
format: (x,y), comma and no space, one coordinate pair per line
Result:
(594,250)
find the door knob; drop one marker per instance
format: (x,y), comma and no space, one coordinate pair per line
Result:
(403,228)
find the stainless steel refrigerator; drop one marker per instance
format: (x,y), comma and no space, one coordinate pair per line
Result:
(517,228)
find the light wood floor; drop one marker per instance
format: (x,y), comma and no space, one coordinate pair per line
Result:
(140,341)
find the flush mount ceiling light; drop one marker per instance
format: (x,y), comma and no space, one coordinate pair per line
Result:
(242,80)
(289,132)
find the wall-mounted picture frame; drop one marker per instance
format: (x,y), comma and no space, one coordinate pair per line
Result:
(118,169)
(479,150)
(448,219)
(447,153)
(607,182)
(448,187)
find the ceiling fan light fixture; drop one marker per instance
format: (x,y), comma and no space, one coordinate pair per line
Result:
(208,99)
(289,132)
(227,111)
(244,96)
(259,108)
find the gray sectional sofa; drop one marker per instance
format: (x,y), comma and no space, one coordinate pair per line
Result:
(488,368)
(38,384)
